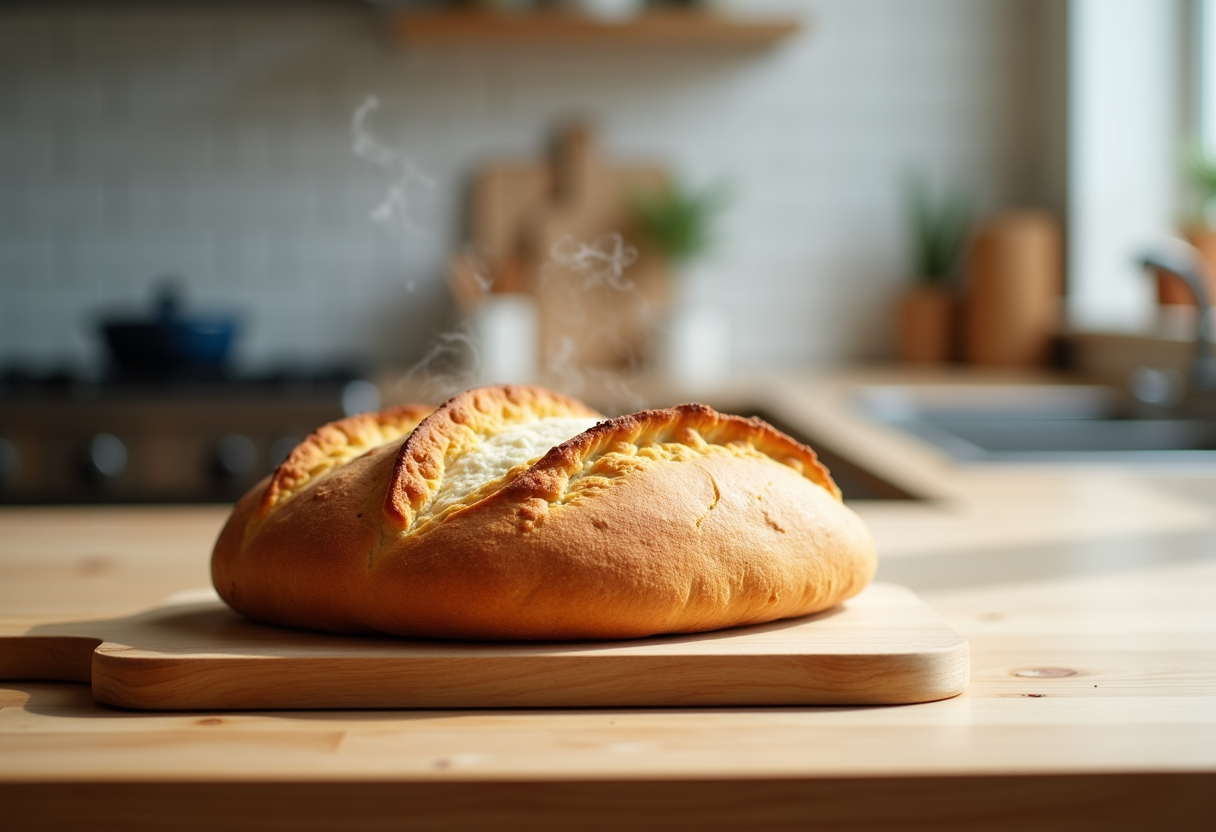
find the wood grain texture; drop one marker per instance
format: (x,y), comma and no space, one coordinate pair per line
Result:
(883,647)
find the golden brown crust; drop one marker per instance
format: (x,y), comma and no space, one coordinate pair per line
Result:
(694,427)
(675,520)
(337,443)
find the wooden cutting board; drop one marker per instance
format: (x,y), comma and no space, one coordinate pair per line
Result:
(192,652)
(521,212)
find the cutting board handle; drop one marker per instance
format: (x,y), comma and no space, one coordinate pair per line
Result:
(47,658)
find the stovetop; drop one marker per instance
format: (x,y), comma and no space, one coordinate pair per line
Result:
(72,437)
(18,383)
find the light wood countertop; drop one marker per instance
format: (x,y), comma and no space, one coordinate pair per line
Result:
(1106,572)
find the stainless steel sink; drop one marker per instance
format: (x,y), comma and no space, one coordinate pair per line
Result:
(1053,423)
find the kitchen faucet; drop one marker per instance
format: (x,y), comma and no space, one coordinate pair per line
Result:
(1185,263)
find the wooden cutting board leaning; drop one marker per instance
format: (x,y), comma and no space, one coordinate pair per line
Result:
(884,647)
(548,229)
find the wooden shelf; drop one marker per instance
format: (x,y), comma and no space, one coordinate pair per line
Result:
(677,29)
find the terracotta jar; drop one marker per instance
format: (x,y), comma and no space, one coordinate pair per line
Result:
(1012,296)
(924,325)
(1171,291)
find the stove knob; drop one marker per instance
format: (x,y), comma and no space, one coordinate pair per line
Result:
(105,457)
(234,456)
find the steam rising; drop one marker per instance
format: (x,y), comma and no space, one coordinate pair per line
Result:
(577,272)
(393,212)
(595,267)
(603,261)
(449,366)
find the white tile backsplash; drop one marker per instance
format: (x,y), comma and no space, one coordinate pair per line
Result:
(213,141)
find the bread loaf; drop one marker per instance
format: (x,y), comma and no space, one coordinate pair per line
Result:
(519,513)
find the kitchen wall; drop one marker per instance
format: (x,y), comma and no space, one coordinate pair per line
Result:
(1129,68)
(213,141)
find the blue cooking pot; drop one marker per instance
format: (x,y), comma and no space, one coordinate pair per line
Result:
(170,340)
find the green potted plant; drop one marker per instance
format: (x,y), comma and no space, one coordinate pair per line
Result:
(925,318)
(679,222)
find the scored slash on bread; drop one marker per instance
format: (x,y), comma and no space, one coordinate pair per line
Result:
(519,513)
(336,444)
(459,427)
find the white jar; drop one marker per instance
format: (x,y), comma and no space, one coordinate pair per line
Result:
(608,10)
